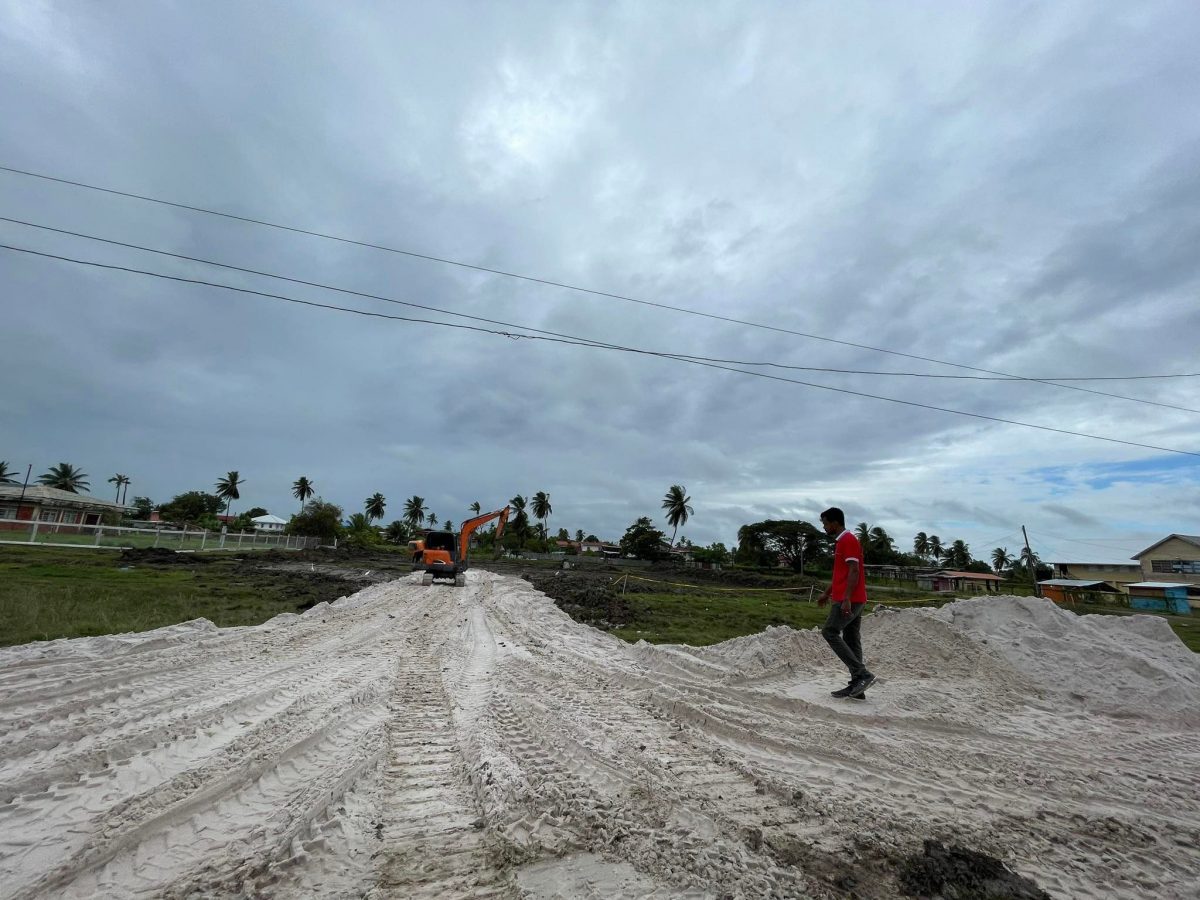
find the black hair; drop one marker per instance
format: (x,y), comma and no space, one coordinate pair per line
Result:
(833,514)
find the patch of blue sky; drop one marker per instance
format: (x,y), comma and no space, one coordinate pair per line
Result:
(1098,476)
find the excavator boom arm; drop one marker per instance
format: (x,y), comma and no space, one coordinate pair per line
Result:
(470,526)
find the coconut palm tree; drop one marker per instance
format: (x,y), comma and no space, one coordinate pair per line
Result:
(1001,559)
(476,508)
(935,547)
(921,544)
(227,489)
(863,532)
(120,481)
(6,474)
(959,555)
(579,535)
(542,510)
(433,520)
(375,506)
(414,511)
(676,504)
(521,520)
(302,489)
(447,525)
(65,477)
(1030,561)
(881,542)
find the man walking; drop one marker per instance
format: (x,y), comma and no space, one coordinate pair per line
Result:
(849,595)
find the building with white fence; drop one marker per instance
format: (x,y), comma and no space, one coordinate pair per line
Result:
(20,505)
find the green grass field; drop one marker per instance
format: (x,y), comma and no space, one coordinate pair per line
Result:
(702,617)
(51,592)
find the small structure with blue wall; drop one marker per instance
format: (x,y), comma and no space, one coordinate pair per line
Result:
(1162,596)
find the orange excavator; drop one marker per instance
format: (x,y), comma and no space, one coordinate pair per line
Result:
(446,554)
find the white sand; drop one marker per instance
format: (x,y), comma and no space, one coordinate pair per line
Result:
(412,742)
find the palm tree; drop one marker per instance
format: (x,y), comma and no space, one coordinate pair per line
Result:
(476,508)
(65,477)
(676,504)
(935,547)
(302,489)
(1030,561)
(959,555)
(125,493)
(120,481)
(579,535)
(433,520)
(227,489)
(6,474)
(447,525)
(881,542)
(863,532)
(375,506)
(521,521)
(542,510)
(397,532)
(921,544)
(1001,559)
(414,511)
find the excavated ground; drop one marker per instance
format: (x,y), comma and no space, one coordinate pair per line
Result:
(410,742)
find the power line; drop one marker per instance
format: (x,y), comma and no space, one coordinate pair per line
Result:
(736,362)
(548,282)
(585,342)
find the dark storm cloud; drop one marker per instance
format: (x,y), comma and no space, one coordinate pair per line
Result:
(1005,187)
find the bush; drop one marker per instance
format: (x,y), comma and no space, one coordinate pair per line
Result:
(318,519)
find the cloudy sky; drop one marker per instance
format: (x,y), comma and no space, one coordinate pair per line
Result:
(1013,187)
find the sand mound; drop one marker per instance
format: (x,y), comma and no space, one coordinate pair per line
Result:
(1134,664)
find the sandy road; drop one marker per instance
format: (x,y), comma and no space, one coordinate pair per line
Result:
(413,742)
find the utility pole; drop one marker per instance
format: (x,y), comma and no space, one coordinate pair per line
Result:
(28,469)
(1037,591)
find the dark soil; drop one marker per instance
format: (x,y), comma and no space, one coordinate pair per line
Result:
(955,873)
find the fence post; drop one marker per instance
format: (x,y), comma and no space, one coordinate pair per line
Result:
(203,538)
(157,533)
(240,534)
(183,538)
(99,531)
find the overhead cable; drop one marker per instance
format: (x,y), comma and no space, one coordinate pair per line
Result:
(546,281)
(735,362)
(584,342)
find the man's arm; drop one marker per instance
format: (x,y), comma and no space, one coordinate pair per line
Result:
(851,584)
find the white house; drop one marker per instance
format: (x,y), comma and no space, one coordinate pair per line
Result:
(268,523)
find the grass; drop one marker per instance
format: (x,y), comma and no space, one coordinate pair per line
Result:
(52,592)
(701,617)
(705,618)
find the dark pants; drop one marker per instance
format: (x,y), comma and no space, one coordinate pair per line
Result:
(843,634)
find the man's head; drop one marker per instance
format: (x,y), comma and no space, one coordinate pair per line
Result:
(833,520)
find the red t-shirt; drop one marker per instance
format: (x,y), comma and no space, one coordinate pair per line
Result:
(847,549)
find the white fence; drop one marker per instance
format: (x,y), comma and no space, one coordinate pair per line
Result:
(56,535)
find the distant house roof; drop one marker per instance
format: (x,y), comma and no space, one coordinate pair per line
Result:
(269,520)
(976,575)
(1073,583)
(1190,538)
(1160,584)
(39,493)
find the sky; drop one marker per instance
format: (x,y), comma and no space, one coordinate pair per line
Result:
(991,187)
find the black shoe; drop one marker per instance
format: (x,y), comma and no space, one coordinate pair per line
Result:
(860,684)
(860,696)
(844,692)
